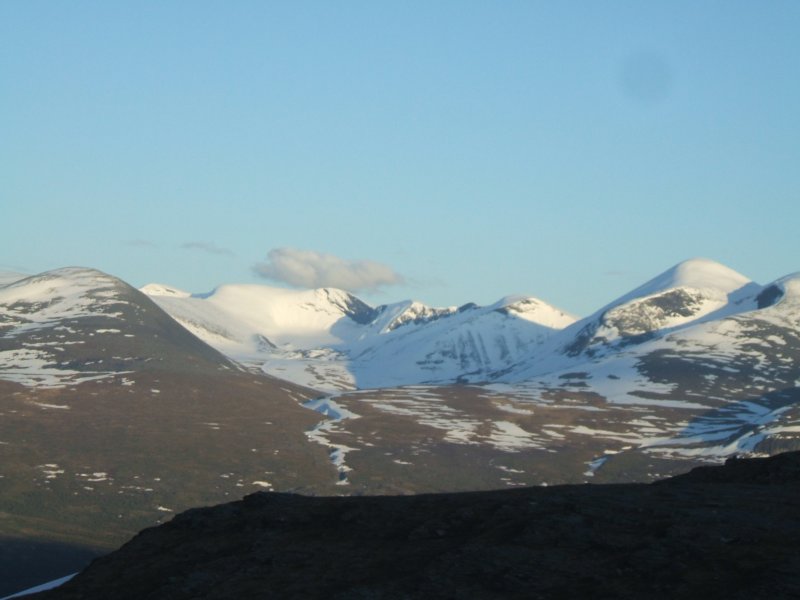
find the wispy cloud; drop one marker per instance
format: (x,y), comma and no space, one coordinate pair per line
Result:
(208,247)
(140,244)
(310,269)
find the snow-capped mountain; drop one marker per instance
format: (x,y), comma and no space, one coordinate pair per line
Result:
(75,324)
(466,344)
(693,291)
(329,339)
(113,415)
(699,337)
(240,317)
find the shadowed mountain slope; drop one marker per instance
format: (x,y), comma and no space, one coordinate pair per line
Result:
(720,532)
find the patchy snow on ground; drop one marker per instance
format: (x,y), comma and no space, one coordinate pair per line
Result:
(510,437)
(45,302)
(334,414)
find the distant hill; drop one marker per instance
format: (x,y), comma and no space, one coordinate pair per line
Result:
(113,417)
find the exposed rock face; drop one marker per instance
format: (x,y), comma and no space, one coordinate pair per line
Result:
(718,532)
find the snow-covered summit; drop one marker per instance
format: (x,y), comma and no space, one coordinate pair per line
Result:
(784,289)
(77,324)
(390,317)
(320,335)
(690,292)
(408,312)
(534,310)
(302,318)
(779,301)
(158,289)
(57,294)
(713,278)
(244,321)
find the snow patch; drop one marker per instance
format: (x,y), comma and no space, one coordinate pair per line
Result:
(50,585)
(510,437)
(335,413)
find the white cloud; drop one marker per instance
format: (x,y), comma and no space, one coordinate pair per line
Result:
(309,269)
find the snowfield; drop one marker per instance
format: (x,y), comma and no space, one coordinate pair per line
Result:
(330,340)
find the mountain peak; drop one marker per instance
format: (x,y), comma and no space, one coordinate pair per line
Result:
(692,290)
(413,312)
(704,272)
(696,273)
(158,289)
(534,310)
(351,306)
(60,286)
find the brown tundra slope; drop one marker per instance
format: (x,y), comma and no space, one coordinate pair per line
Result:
(113,417)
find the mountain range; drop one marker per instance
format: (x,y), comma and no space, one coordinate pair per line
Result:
(697,364)
(333,341)
(121,406)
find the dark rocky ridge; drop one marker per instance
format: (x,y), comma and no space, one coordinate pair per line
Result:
(718,532)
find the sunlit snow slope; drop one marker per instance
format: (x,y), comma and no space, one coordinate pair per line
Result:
(329,339)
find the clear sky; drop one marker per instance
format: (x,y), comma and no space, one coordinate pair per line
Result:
(460,150)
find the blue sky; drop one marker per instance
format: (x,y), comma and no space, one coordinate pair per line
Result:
(475,149)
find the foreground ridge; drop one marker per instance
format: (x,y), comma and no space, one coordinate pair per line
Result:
(729,531)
